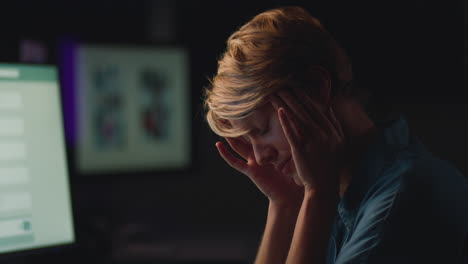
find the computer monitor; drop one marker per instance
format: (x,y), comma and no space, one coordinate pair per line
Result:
(35,199)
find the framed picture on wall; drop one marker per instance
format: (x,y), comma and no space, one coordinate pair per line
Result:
(131,107)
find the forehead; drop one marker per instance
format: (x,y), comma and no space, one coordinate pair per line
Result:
(255,119)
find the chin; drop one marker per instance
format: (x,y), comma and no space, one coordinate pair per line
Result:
(296,179)
(290,171)
(288,168)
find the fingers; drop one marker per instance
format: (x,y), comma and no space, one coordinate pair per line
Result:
(309,119)
(234,162)
(325,118)
(313,109)
(335,122)
(294,106)
(278,104)
(288,130)
(297,150)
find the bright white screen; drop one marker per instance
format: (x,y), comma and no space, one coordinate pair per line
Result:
(35,205)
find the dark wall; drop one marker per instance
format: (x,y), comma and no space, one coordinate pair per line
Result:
(409,53)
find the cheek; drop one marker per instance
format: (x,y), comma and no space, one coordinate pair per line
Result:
(279,138)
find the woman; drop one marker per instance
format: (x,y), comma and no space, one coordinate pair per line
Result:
(342,188)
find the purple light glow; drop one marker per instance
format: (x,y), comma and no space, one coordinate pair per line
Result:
(68,84)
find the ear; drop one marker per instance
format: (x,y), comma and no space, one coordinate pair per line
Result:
(321,78)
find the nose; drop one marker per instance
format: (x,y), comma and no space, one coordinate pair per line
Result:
(264,154)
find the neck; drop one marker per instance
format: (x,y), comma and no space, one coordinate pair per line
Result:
(359,130)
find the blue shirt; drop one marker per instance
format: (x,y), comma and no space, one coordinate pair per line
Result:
(403,205)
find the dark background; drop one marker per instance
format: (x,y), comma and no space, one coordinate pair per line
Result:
(411,54)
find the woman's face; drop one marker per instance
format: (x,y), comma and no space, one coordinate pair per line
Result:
(267,139)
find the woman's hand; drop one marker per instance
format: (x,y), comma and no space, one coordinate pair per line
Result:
(315,137)
(280,189)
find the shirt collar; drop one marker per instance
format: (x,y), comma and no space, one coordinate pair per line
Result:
(392,137)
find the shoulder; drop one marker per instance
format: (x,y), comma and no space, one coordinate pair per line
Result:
(426,208)
(420,184)
(422,175)
(429,178)
(407,206)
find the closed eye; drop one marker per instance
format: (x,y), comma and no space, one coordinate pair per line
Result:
(255,133)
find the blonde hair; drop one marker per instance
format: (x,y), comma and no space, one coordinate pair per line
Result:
(272,51)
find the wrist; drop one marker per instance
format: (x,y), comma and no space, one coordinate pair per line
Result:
(291,201)
(285,208)
(321,197)
(316,193)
